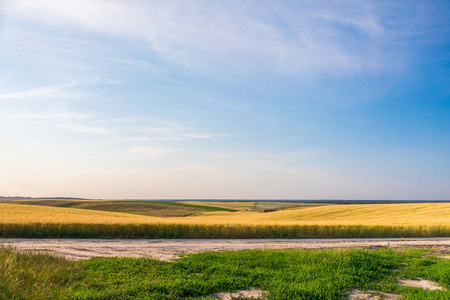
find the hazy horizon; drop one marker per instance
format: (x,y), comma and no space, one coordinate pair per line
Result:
(328,201)
(118,99)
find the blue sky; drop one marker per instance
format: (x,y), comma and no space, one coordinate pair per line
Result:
(225,99)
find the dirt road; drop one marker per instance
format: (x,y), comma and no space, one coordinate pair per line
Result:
(170,249)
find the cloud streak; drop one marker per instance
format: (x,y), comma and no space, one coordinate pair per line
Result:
(154,152)
(50,91)
(299,38)
(140,136)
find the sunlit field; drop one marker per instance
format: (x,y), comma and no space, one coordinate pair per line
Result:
(354,214)
(17,213)
(144,208)
(236,205)
(49,219)
(227,213)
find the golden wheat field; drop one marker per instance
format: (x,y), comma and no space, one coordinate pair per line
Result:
(354,214)
(16,213)
(39,220)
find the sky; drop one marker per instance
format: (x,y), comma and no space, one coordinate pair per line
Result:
(134,99)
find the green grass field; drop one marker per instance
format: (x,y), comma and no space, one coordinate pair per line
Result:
(299,274)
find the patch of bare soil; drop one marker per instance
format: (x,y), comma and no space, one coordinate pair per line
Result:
(370,295)
(421,283)
(248,294)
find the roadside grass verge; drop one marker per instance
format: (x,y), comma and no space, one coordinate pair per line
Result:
(287,274)
(35,276)
(218,231)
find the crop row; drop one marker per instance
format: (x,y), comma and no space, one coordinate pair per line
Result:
(219,231)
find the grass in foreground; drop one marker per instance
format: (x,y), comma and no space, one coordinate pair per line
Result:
(293,274)
(35,276)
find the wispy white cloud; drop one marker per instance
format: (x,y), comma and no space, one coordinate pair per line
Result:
(50,91)
(83,128)
(360,16)
(65,121)
(54,116)
(171,131)
(113,81)
(141,133)
(154,152)
(297,38)
(202,136)
(30,116)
